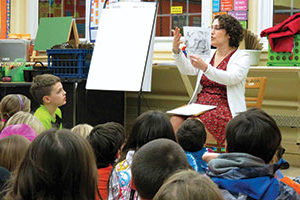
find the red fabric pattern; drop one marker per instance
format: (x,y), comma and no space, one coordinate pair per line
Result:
(103,176)
(281,36)
(213,93)
(291,183)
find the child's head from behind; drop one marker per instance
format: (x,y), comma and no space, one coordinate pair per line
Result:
(47,89)
(106,140)
(58,165)
(190,185)
(191,135)
(82,129)
(12,151)
(12,103)
(149,126)
(253,132)
(153,163)
(19,129)
(26,118)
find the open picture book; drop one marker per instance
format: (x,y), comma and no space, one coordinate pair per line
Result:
(191,109)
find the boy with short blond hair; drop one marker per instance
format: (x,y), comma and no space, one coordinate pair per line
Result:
(48,91)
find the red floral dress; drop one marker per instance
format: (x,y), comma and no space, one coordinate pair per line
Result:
(213,93)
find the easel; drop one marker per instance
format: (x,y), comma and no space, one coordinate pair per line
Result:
(121,64)
(38,56)
(139,99)
(47,35)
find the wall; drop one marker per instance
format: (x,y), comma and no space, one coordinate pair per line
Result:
(252,15)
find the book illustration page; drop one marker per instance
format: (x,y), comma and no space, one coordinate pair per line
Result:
(197,40)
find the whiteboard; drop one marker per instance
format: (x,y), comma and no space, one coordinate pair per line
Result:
(121,48)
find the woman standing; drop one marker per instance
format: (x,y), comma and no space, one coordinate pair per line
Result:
(221,78)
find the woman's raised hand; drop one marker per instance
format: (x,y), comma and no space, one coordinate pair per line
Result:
(176,40)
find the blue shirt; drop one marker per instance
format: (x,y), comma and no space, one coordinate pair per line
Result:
(195,160)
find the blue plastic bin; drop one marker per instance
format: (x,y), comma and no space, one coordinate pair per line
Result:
(69,63)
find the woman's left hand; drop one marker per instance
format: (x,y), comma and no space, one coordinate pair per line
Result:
(198,63)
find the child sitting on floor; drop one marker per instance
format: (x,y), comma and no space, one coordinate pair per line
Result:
(57,165)
(26,118)
(191,136)
(188,184)
(12,151)
(153,163)
(253,138)
(12,103)
(147,127)
(48,91)
(106,141)
(82,129)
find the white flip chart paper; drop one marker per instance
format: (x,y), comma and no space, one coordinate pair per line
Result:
(121,48)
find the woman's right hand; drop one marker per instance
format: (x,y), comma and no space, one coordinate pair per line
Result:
(176,40)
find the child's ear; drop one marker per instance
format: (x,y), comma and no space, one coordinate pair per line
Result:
(46,99)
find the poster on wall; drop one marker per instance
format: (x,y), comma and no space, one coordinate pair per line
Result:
(239,15)
(236,8)
(216,5)
(219,13)
(241,5)
(226,5)
(4,18)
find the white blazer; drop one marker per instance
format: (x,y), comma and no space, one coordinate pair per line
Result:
(234,78)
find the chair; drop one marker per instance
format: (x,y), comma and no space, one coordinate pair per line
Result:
(256,83)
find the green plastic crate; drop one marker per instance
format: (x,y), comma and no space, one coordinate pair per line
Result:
(284,58)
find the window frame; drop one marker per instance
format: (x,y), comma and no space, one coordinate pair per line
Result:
(264,18)
(291,11)
(164,43)
(33,10)
(33,17)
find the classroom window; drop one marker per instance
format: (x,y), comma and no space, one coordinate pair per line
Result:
(283,9)
(168,20)
(64,8)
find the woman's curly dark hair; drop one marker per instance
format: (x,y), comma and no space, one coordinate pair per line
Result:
(233,28)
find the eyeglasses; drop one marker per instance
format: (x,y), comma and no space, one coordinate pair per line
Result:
(216,28)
